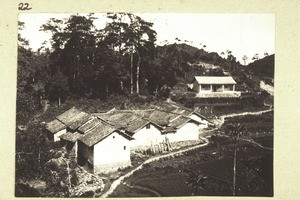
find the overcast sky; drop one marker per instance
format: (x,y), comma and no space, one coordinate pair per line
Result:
(243,34)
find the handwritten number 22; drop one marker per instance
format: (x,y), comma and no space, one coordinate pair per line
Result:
(24,6)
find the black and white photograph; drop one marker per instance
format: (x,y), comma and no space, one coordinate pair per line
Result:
(145,105)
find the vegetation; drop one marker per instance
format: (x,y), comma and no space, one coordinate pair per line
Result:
(117,66)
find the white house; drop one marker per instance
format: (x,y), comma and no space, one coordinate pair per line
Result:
(104,149)
(193,114)
(182,128)
(215,86)
(203,121)
(144,133)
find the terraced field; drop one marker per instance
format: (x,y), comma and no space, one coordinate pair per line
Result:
(209,170)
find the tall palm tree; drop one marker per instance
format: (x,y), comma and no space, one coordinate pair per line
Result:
(235,131)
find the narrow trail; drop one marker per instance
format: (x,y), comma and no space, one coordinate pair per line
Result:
(143,188)
(256,143)
(118,181)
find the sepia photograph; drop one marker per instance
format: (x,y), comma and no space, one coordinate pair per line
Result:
(144,105)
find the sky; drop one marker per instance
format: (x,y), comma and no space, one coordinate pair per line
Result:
(243,34)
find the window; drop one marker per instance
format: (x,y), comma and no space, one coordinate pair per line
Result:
(124,147)
(148,126)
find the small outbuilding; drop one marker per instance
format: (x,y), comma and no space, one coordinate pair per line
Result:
(104,148)
(55,129)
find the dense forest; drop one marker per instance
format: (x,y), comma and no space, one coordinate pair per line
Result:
(122,58)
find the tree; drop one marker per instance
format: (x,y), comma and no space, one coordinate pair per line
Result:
(235,131)
(58,86)
(245,58)
(255,57)
(141,38)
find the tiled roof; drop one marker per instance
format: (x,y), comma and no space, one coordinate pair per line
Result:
(73,118)
(96,134)
(72,137)
(89,125)
(55,126)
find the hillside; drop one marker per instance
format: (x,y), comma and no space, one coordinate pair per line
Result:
(263,68)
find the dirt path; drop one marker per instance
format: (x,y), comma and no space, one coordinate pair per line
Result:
(118,181)
(143,188)
(223,117)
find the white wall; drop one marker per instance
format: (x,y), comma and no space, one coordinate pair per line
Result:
(146,137)
(59,133)
(204,123)
(189,131)
(111,150)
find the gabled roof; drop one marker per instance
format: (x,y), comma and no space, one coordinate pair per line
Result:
(89,125)
(128,120)
(181,121)
(73,118)
(98,133)
(72,137)
(214,80)
(54,126)
(189,112)
(160,117)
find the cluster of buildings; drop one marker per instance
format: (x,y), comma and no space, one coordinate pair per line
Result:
(103,141)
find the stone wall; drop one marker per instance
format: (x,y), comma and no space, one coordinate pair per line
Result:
(218,94)
(162,147)
(106,168)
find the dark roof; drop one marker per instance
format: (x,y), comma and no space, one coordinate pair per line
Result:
(74,118)
(96,134)
(136,125)
(159,117)
(189,112)
(55,126)
(89,125)
(179,121)
(129,120)
(72,137)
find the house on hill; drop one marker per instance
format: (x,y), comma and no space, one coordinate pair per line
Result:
(215,86)
(104,148)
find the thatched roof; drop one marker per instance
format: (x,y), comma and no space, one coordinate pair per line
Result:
(89,125)
(72,137)
(214,80)
(98,133)
(73,118)
(55,126)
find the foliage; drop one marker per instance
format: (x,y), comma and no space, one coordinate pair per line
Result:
(263,67)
